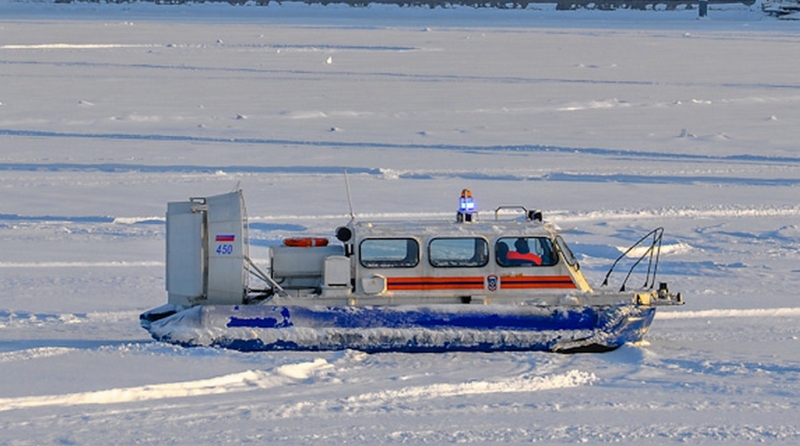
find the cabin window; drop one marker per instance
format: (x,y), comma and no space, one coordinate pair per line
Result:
(568,255)
(525,251)
(389,253)
(458,252)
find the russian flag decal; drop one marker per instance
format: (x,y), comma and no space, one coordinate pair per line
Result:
(225,238)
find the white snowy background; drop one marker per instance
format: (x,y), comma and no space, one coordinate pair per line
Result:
(612,123)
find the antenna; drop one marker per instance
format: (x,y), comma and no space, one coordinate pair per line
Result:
(349,196)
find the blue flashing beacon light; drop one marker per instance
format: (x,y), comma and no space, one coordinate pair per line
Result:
(466,206)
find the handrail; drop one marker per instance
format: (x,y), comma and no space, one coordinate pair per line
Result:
(530,215)
(507,207)
(654,252)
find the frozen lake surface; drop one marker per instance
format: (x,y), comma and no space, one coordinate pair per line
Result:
(611,123)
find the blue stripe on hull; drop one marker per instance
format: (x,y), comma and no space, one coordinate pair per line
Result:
(400,317)
(406,329)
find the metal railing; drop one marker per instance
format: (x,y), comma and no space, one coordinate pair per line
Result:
(652,254)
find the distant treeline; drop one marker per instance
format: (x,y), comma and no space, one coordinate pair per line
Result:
(563,5)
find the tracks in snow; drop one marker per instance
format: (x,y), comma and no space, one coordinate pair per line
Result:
(279,401)
(237,382)
(302,373)
(526,148)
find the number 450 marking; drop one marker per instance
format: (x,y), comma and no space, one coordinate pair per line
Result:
(225,249)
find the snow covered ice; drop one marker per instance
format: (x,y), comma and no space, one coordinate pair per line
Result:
(612,123)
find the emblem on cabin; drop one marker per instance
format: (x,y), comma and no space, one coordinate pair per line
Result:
(492,282)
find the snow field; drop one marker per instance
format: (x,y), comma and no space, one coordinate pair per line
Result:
(612,124)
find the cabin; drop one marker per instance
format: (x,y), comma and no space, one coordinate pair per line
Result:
(466,260)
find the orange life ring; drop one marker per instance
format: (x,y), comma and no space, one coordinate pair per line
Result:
(305,242)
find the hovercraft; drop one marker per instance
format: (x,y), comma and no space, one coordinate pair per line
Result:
(503,284)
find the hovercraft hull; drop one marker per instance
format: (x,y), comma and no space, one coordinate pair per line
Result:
(438,328)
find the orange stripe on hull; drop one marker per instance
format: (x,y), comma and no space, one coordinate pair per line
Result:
(434,283)
(535,282)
